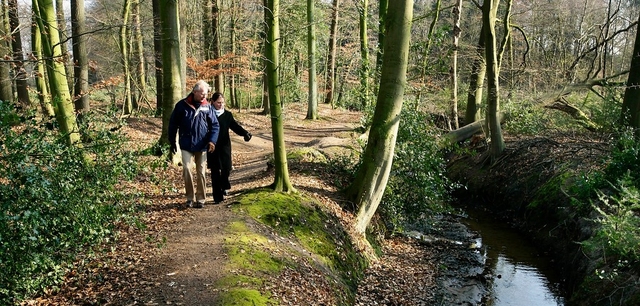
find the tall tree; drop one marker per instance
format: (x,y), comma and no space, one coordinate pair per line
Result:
(272,13)
(22,87)
(80,59)
(331,55)
(489,17)
(457,10)
(213,43)
(476,82)
(140,80)
(382,17)
(40,74)
(62,30)
(171,63)
(6,89)
(364,51)
(312,107)
(233,97)
(371,178)
(127,107)
(62,102)
(631,103)
(157,55)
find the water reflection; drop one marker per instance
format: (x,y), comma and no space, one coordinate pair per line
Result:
(521,274)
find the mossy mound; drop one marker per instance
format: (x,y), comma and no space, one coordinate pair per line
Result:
(287,244)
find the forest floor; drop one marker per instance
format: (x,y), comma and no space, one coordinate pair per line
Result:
(177,256)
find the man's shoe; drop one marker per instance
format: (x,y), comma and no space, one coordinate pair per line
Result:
(198,205)
(189,203)
(225,192)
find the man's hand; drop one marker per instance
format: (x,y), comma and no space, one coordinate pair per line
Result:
(212,147)
(247,137)
(173,149)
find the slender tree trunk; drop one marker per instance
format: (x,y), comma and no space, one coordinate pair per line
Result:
(476,82)
(493,98)
(427,47)
(312,109)
(36,51)
(157,52)
(331,56)
(127,107)
(631,104)
(62,102)
(457,10)
(233,97)
(6,89)
(171,63)
(382,18)
(64,37)
(371,179)
(281,181)
(364,52)
(141,80)
(218,81)
(80,60)
(22,87)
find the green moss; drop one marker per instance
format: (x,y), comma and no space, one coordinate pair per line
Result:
(549,192)
(306,155)
(300,217)
(238,280)
(241,297)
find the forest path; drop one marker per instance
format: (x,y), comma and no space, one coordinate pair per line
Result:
(185,269)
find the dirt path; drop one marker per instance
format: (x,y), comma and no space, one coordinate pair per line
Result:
(189,263)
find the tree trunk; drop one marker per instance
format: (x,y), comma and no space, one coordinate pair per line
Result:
(382,17)
(171,63)
(457,10)
(490,9)
(364,52)
(312,106)
(233,97)
(6,89)
(141,80)
(127,107)
(218,81)
(476,82)
(331,56)
(432,27)
(281,181)
(631,104)
(80,60)
(40,77)
(62,103)
(62,31)
(22,87)
(157,52)
(371,179)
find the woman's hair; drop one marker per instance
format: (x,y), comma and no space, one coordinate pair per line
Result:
(215,96)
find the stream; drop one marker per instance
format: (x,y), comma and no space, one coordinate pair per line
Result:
(520,273)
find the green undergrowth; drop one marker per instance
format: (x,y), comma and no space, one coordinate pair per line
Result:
(257,253)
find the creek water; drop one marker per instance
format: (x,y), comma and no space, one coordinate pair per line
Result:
(521,273)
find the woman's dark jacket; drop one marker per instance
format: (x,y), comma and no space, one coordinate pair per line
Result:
(196,124)
(222,154)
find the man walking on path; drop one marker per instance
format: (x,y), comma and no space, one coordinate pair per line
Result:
(194,119)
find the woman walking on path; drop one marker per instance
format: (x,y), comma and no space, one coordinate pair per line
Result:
(219,161)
